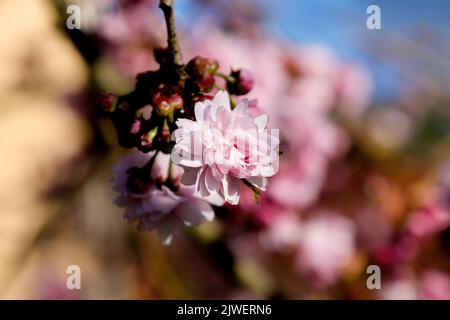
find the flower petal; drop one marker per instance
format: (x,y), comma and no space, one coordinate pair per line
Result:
(222,99)
(190,177)
(194,212)
(261,121)
(200,110)
(241,107)
(206,188)
(231,187)
(164,200)
(259,182)
(167,228)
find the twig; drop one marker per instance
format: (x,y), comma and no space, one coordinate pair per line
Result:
(172,40)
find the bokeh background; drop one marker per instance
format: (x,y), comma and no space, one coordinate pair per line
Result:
(364,176)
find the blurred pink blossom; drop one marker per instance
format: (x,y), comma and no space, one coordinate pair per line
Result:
(310,142)
(428,221)
(128,33)
(434,285)
(157,207)
(256,54)
(285,232)
(420,225)
(354,89)
(402,287)
(327,244)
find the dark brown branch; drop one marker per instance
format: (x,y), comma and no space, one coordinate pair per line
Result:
(172,40)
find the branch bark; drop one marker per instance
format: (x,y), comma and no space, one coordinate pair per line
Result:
(172,40)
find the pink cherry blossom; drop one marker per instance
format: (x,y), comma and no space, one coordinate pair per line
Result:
(354,89)
(427,221)
(127,31)
(327,244)
(435,285)
(285,232)
(223,146)
(311,141)
(402,287)
(252,53)
(158,207)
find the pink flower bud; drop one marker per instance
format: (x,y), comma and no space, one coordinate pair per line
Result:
(135,126)
(146,140)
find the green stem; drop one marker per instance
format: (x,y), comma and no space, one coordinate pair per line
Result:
(218,87)
(169,171)
(225,77)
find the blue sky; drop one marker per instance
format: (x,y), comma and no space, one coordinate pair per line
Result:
(341,24)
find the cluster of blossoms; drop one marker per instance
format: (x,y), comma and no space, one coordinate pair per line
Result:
(331,210)
(311,83)
(193,143)
(324,242)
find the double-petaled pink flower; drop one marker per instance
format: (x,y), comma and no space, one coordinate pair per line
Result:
(223,146)
(151,204)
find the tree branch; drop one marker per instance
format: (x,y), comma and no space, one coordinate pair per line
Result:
(172,41)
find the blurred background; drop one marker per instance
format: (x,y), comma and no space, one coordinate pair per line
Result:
(364,176)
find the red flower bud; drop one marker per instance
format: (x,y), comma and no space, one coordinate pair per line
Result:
(189,106)
(165,134)
(165,105)
(201,97)
(241,82)
(202,70)
(207,83)
(108,102)
(176,101)
(200,67)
